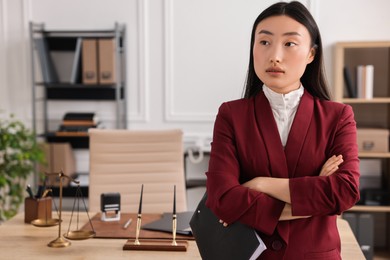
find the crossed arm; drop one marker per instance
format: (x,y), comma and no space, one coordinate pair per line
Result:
(278,188)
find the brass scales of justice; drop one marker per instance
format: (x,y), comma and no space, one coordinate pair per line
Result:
(61,241)
(156,244)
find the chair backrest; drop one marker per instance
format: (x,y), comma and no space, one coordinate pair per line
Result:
(122,160)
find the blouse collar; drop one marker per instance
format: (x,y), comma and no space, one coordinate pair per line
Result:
(283,101)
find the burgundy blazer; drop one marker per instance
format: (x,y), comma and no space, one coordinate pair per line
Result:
(246,144)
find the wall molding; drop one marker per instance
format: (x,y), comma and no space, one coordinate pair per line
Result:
(26,18)
(169,74)
(143,71)
(5,107)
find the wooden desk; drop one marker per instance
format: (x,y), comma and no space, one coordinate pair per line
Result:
(350,248)
(24,241)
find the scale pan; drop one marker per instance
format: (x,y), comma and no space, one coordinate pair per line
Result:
(41,222)
(79,235)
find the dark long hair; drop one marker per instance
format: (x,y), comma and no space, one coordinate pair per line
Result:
(313,79)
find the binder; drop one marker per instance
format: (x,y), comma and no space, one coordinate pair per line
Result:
(351,218)
(90,61)
(76,62)
(49,74)
(107,61)
(59,157)
(362,226)
(366,235)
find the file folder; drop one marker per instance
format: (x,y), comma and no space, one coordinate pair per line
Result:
(107,61)
(49,74)
(236,241)
(165,223)
(366,235)
(90,61)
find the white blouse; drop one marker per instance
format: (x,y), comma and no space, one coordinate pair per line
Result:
(284,107)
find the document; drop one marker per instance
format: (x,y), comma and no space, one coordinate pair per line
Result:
(259,249)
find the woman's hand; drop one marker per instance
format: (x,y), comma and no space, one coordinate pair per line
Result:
(331,165)
(224,224)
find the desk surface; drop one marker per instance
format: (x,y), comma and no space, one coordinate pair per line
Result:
(24,241)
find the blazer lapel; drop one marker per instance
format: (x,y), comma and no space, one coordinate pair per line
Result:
(298,132)
(269,131)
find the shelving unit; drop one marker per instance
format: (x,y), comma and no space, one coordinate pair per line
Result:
(73,91)
(369,113)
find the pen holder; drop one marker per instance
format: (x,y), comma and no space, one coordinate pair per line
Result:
(37,209)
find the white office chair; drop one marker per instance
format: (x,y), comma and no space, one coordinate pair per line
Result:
(122,160)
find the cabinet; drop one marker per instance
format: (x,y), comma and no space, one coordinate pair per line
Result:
(58,66)
(369,113)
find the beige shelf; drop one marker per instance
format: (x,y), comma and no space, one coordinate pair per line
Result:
(374,155)
(354,53)
(366,101)
(364,208)
(364,44)
(369,113)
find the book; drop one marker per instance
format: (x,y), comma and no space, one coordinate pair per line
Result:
(360,81)
(76,128)
(71,134)
(369,81)
(365,81)
(79,123)
(351,88)
(80,116)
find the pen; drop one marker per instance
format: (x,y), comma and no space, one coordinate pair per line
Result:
(29,191)
(174,218)
(39,192)
(140,200)
(46,192)
(174,200)
(43,187)
(136,241)
(127,224)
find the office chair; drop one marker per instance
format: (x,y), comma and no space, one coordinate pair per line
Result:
(122,160)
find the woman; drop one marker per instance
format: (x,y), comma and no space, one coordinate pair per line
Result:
(284,159)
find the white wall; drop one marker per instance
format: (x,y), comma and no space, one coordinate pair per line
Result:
(351,20)
(184,57)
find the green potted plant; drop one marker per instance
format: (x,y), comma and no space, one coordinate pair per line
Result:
(19,154)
